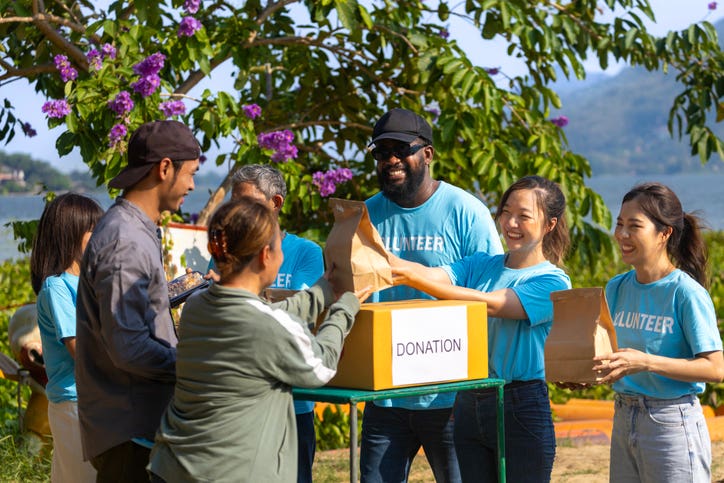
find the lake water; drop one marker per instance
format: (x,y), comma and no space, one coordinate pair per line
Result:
(698,192)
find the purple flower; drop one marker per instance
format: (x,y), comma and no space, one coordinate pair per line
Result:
(202,159)
(151,65)
(108,51)
(28,130)
(118,132)
(121,104)
(147,85)
(173,108)
(56,109)
(444,33)
(252,111)
(560,121)
(285,153)
(188,27)
(94,59)
(192,6)
(281,143)
(493,70)
(434,111)
(327,181)
(712,6)
(66,70)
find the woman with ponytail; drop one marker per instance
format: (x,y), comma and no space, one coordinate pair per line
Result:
(668,340)
(231,417)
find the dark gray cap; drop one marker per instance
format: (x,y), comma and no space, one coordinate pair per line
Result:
(152,142)
(401,125)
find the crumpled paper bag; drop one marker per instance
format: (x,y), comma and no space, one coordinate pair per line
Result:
(582,328)
(355,248)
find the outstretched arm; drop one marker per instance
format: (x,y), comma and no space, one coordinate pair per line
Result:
(704,367)
(435,281)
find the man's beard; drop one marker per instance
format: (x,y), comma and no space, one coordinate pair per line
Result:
(402,193)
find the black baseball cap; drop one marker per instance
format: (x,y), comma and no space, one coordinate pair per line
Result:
(401,125)
(152,142)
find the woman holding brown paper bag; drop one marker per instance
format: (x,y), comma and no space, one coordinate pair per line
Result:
(666,328)
(516,287)
(231,417)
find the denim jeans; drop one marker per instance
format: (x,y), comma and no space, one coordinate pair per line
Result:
(659,440)
(530,442)
(124,463)
(306,445)
(391,437)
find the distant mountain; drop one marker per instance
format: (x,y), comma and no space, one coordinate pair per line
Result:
(620,123)
(35,175)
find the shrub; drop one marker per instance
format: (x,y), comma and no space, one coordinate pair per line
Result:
(333,429)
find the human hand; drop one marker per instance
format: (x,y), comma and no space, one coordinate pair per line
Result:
(363,293)
(623,362)
(402,275)
(213,276)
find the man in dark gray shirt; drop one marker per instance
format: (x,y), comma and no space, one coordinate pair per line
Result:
(126,341)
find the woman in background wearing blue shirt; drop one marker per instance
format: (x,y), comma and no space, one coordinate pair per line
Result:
(63,232)
(669,343)
(516,287)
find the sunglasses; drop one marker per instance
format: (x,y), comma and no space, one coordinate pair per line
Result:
(400,152)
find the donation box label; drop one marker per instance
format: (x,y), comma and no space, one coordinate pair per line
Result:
(429,344)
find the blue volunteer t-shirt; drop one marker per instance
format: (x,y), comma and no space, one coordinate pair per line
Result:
(450,225)
(56,321)
(515,347)
(672,317)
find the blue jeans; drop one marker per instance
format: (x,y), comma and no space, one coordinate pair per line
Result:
(530,441)
(391,437)
(306,445)
(659,440)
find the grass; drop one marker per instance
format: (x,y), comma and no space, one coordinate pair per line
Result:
(23,459)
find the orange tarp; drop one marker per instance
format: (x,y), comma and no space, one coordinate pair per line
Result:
(583,419)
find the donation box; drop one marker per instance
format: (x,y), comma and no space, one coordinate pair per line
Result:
(414,342)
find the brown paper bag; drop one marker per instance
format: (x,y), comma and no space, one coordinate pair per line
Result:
(582,328)
(355,248)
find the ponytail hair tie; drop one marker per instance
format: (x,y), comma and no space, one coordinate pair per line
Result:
(217,245)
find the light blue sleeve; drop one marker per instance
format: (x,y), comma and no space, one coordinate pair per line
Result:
(535,295)
(699,321)
(483,236)
(310,266)
(62,308)
(460,271)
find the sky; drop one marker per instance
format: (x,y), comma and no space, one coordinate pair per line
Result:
(670,15)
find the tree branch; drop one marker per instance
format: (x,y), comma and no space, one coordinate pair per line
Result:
(55,38)
(27,71)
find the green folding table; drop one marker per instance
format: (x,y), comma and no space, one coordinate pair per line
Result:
(353,396)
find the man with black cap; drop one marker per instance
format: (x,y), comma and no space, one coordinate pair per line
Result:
(126,340)
(412,206)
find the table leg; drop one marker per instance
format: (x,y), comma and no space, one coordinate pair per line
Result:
(353,442)
(500,415)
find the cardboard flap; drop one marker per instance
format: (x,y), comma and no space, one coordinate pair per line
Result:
(355,248)
(582,329)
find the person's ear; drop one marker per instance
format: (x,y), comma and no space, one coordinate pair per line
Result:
(429,154)
(265,256)
(667,233)
(278,201)
(165,169)
(552,224)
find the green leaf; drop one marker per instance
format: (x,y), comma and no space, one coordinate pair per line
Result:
(346,12)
